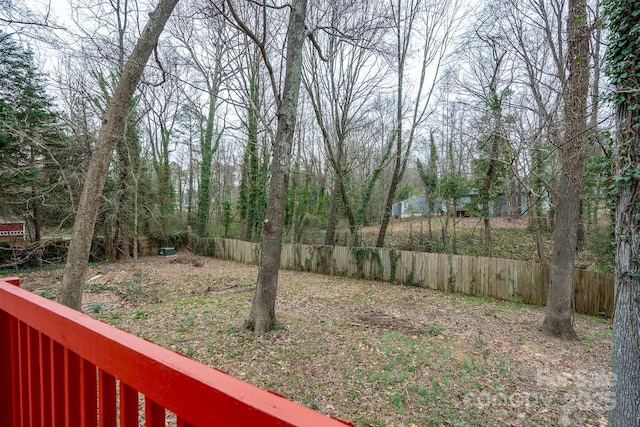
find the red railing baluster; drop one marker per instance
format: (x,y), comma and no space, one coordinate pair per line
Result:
(23,376)
(183,423)
(33,368)
(88,394)
(128,406)
(7,377)
(154,414)
(72,389)
(107,399)
(46,407)
(58,392)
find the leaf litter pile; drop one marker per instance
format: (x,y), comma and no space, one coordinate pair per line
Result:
(372,353)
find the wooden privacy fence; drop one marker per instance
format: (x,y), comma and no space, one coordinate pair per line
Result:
(505,279)
(59,367)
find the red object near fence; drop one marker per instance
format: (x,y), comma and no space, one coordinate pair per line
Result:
(59,367)
(12,230)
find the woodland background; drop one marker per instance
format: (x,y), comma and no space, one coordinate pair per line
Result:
(434,98)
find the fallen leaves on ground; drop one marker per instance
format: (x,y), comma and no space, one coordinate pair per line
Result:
(373,353)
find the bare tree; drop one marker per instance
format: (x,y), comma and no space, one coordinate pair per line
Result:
(162,103)
(488,83)
(262,317)
(205,43)
(80,245)
(340,86)
(558,319)
(437,21)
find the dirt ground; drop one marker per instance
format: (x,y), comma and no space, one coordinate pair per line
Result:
(373,353)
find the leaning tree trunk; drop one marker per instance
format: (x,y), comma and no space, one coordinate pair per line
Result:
(80,245)
(262,317)
(558,319)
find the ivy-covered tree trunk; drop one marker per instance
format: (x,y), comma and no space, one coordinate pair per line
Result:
(166,193)
(262,317)
(626,325)
(124,196)
(80,245)
(429,178)
(367,194)
(623,67)
(491,164)
(558,319)
(332,221)
(252,197)
(207,147)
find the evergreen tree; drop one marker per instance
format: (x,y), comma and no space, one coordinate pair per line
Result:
(26,127)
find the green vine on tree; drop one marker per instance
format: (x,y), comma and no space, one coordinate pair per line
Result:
(623,62)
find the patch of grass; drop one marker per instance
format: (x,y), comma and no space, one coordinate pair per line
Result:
(313,404)
(368,421)
(590,336)
(435,330)
(141,314)
(397,400)
(471,368)
(96,288)
(503,366)
(47,294)
(595,319)
(134,290)
(190,321)
(477,299)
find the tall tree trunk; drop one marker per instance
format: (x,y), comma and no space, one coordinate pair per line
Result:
(123,199)
(558,319)
(487,235)
(623,67)
(80,245)
(400,155)
(191,179)
(253,183)
(262,317)
(35,202)
(330,237)
(626,324)
(135,220)
(208,149)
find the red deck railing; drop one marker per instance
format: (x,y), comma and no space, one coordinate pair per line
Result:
(59,367)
